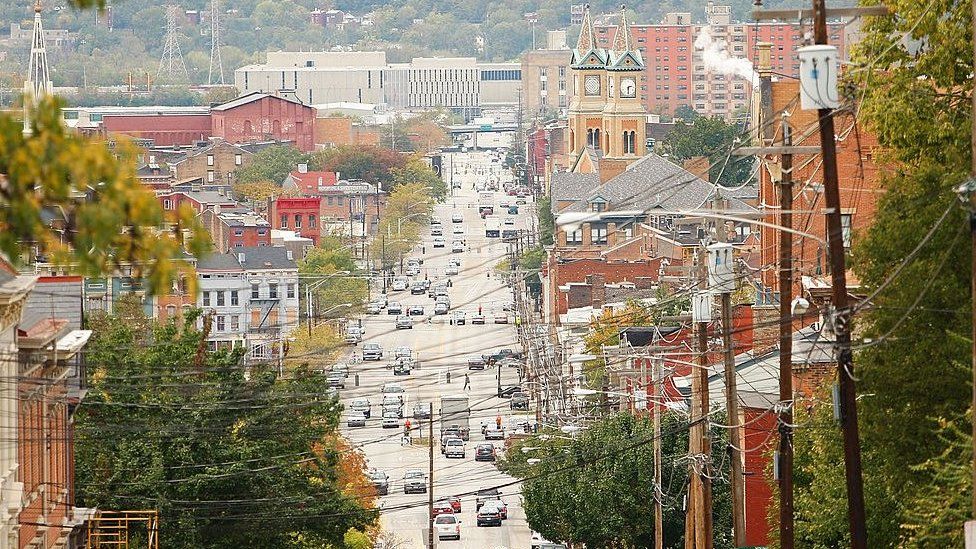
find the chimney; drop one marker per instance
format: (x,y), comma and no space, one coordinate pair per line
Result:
(303,168)
(765,331)
(587,236)
(561,238)
(216,209)
(240,257)
(611,234)
(289,255)
(598,287)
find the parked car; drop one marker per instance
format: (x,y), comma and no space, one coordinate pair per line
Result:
(403,322)
(340,368)
(448,526)
(353,335)
(380,300)
(416,310)
(356,419)
(476,362)
(414,481)
(520,401)
(490,514)
(394,308)
(454,448)
(361,405)
(380,481)
(372,351)
(421,410)
(459,318)
(484,452)
(390,420)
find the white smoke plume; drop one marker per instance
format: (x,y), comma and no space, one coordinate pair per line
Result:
(717,59)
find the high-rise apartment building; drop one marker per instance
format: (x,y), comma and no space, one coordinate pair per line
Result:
(547,84)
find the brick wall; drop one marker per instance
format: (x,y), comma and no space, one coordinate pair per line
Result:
(214,165)
(759,437)
(164,130)
(267,118)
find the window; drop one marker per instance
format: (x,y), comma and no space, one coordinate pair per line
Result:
(206,299)
(210,176)
(221,326)
(234,299)
(298,221)
(575,237)
(238,159)
(330,200)
(291,290)
(167,204)
(846,228)
(340,200)
(238,232)
(284,221)
(210,160)
(235,323)
(255,291)
(598,235)
(170,311)
(220,299)
(273,291)
(598,206)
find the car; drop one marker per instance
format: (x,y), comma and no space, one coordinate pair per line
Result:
(354,335)
(455,502)
(403,322)
(400,283)
(454,261)
(486,494)
(416,310)
(492,432)
(418,288)
(436,230)
(440,290)
(393,389)
(390,420)
(381,300)
(457,217)
(435,289)
(457,229)
(380,481)
(484,452)
(448,526)
(447,437)
(443,299)
(340,368)
(454,448)
(336,380)
(372,351)
(438,242)
(501,354)
(361,405)
(457,247)
(402,351)
(373,308)
(520,401)
(415,261)
(501,318)
(414,481)
(441,308)
(394,308)
(478,319)
(451,270)
(490,514)
(393,404)
(356,419)
(539,542)
(459,317)
(520,200)
(412,270)
(502,506)
(442,507)
(435,221)
(513,210)
(476,362)
(509,221)
(421,410)
(508,306)
(402,367)
(510,363)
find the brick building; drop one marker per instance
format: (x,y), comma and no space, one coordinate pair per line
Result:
(336,131)
(236,227)
(260,116)
(547,83)
(302,215)
(217,162)
(198,200)
(309,183)
(161,128)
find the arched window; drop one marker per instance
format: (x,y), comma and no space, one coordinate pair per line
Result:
(596,138)
(248,128)
(276,128)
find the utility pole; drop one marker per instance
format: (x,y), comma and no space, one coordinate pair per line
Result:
(841,316)
(735,440)
(785,465)
(430,474)
(658,494)
(698,519)
(968,194)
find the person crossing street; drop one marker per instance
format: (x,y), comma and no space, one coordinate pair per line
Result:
(467,382)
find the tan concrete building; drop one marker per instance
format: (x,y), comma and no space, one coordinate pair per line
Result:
(547,82)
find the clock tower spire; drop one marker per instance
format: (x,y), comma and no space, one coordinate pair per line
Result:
(588,64)
(624,115)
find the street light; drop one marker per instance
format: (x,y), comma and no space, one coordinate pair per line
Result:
(308,295)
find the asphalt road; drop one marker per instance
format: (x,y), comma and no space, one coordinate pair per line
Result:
(443,348)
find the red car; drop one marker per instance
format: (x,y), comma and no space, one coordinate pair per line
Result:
(442,508)
(455,504)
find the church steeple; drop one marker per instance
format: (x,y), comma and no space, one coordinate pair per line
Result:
(621,41)
(38,82)
(587,38)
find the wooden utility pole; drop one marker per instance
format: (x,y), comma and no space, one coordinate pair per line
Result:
(698,513)
(968,194)
(842,313)
(703,535)
(735,440)
(430,479)
(785,465)
(658,494)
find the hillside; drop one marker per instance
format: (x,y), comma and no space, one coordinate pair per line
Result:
(404,28)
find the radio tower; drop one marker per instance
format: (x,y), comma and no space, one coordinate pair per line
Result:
(171,63)
(215,61)
(38,83)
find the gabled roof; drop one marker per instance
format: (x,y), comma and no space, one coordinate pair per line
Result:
(572,186)
(250,98)
(309,182)
(264,257)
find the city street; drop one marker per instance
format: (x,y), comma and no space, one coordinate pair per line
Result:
(442,350)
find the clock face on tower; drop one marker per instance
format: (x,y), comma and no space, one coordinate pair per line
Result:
(628,88)
(591,85)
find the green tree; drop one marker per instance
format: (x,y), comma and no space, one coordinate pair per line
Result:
(272,164)
(103,217)
(547,223)
(597,488)
(407,211)
(333,256)
(370,164)
(418,172)
(711,138)
(232,457)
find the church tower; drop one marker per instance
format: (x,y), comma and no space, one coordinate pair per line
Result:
(589,64)
(624,116)
(38,83)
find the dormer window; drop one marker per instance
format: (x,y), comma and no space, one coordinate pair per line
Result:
(598,204)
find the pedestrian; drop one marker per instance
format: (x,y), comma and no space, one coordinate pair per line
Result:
(498,421)
(467,382)
(449,283)
(423,249)
(479,309)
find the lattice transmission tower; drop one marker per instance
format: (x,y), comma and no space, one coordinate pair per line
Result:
(216,74)
(171,63)
(37,85)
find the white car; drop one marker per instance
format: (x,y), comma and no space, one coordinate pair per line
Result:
(457,247)
(454,448)
(450,270)
(447,526)
(356,419)
(457,230)
(402,351)
(436,230)
(456,217)
(412,271)
(391,420)
(438,243)
(400,284)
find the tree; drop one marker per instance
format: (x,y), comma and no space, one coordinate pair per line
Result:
(547,223)
(232,457)
(258,191)
(426,135)
(343,294)
(915,368)
(315,351)
(686,114)
(596,489)
(370,164)
(605,331)
(713,139)
(418,172)
(102,216)
(272,164)
(407,210)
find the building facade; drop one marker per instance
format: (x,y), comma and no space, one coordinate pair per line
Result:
(259,117)
(236,227)
(547,85)
(272,276)
(224,295)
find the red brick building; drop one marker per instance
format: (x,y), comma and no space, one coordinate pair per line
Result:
(260,116)
(164,129)
(236,227)
(302,215)
(309,183)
